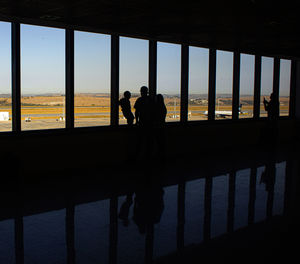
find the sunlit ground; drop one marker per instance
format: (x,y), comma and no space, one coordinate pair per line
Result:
(88,113)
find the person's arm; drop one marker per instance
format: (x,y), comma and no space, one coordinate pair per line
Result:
(266,104)
(137,116)
(137,112)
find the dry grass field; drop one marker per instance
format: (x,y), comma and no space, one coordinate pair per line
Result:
(91,110)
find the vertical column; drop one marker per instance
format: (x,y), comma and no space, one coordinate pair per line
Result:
(69,78)
(152,67)
(276,76)
(113,230)
(207,208)
(297,90)
(252,196)
(180,215)
(184,83)
(292,106)
(70,229)
(257,86)
(212,84)
(231,202)
(16,76)
(236,85)
(115,61)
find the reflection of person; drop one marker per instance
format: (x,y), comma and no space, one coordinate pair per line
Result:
(148,206)
(126,107)
(268,176)
(124,210)
(272,107)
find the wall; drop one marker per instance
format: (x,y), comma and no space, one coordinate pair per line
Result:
(104,147)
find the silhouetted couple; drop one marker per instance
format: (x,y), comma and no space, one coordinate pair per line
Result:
(149,110)
(150,115)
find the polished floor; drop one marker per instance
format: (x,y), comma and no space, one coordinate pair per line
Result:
(234,206)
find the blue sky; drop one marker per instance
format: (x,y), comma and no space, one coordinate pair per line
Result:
(43,65)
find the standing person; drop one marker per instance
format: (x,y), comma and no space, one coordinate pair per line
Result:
(159,125)
(126,108)
(272,107)
(270,133)
(144,119)
(160,110)
(143,111)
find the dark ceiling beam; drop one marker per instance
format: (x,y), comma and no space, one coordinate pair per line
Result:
(251,26)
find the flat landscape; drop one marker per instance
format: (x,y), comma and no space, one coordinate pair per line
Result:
(45,112)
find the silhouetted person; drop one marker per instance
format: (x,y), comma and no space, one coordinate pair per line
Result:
(143,108)
(270,131)
(160,110)
(160,113)
(272,107)
(144,114)
(126,107)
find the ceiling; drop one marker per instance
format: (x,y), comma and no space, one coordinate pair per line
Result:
(250,26)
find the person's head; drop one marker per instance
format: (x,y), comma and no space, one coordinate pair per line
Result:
(144,91)
(127,95)
(272,96)
(160,99)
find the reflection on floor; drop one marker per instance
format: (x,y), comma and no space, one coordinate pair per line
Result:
(231,207)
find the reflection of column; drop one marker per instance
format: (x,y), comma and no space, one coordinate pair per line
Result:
(291,204)
(18,204)
(271,173)
(70,241)
(288,187)
(252,196)
(149,243)
(207,208)
(231,202)
(19,237)
(180,215)
(113,230)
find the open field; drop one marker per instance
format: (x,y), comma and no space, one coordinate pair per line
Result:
(94,110)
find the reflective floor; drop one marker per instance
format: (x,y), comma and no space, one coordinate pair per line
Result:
(159,214)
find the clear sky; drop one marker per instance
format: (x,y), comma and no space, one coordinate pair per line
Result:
(43,65)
